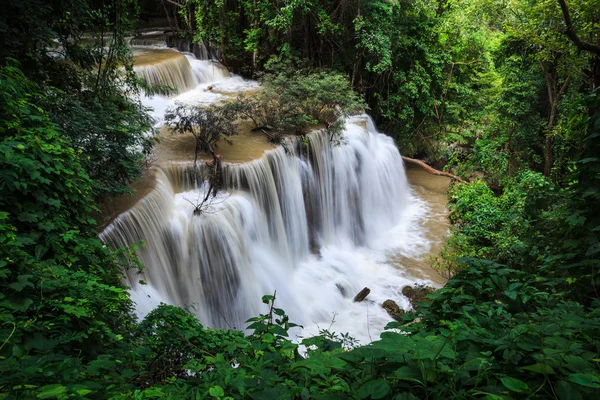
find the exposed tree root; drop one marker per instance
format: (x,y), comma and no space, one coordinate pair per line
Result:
(432,170)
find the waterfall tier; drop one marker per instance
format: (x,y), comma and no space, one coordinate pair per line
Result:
(149,40)
(311,220)
(165,67)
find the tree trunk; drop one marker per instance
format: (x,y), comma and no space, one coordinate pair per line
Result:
(548,145)
(554,96)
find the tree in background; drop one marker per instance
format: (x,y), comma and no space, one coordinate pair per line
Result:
(64,312)
(77,51)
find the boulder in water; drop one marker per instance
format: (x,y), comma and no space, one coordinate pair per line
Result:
(362,295)
(417,294)
(393,309)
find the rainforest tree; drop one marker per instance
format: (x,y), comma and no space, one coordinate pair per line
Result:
(77,52)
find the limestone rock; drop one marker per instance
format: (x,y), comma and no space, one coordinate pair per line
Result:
(393,309)
(417,294)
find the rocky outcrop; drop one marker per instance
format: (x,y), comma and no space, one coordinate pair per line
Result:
(393,309)
(417,294)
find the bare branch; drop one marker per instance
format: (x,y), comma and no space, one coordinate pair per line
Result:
(432,170)
(174,3)
(571,34)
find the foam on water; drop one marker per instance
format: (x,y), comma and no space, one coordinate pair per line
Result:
(315,224)
(211,83)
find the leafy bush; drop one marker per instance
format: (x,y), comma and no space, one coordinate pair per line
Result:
(111,132)
(493,332)
(63,309)
(172,343)
(77,52)
(291,102)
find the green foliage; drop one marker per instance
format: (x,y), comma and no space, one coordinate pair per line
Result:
(477,84)
(63,308)
(494,227)
(207,124)
(111,133)
(290,102)
(487,85)
(536,224)
(172,343)
(492,331)
(77,52)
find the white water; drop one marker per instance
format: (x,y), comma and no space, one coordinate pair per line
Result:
(198,82)
(173,70)
(316,224)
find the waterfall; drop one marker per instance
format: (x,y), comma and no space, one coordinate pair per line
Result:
(170,68)
(207,70)
(152,41)
(312,220)
(199,82)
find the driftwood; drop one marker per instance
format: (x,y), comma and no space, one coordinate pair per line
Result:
(362,295)
(432,170)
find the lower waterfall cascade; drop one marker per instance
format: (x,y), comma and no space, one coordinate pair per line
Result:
(313,220)
(313,223)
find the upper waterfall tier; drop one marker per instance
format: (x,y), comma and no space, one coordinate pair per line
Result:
(164,67)
(153,40)
(312,220)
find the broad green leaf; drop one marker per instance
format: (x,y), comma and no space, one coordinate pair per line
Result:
(540,368)
(51,391)
(268,338)
(267,298)
(216,391)
(565,391)
(21,304)
(588,380)
(375,389)
(514,384)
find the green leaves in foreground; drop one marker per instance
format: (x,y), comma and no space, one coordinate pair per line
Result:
(514,384)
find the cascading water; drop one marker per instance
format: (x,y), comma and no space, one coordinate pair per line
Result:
(172,69)
(197,82)
(308,223)
(314,221)
(152,39)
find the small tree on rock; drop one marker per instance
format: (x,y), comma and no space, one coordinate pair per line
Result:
(208,125)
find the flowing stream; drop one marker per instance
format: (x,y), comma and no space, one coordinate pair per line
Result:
(314,221)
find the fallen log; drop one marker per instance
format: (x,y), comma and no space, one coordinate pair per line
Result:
(432,170)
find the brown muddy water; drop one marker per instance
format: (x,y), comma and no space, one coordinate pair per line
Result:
(433,190)
(151,56)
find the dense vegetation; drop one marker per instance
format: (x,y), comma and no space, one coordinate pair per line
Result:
(503,93)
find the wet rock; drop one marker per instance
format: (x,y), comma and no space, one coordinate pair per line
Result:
(393,309)
(362,295)
(417,294)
